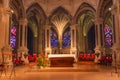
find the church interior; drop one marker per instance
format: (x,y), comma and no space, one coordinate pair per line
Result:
(59,39)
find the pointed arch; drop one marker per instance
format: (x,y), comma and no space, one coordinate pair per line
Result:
(36,17)
(84,7)
(103,7)
(84,17)
(35,8)
(60,18)
(60,9)
(18,8)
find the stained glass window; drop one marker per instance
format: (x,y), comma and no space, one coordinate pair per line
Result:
(108,36)
(54,39)
(66,38)
(13,37)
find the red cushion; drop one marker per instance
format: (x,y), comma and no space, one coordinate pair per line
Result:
(81,55)
(85,56)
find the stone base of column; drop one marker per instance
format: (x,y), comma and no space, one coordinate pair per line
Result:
(23,53)
(115,55)
(6,55)
(74,51)
(47,51)
(98,53)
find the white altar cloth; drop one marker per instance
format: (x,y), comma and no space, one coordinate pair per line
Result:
(61,55)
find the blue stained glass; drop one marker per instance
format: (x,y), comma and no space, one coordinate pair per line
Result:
(54,39)
(108,36)
(66,38)
(13,37)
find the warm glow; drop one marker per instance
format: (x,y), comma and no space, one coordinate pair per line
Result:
(110,9)
(60,21)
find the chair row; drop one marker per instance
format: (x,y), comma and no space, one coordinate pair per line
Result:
(88,57)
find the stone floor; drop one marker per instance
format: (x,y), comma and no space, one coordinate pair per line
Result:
(78,72)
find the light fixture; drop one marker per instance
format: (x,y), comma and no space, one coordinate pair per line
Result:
(110,9)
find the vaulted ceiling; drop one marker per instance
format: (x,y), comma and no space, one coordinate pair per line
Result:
(82,12)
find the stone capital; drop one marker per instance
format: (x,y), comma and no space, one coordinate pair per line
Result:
(99,20)
(47,26)
(23,21)
(74,26)
(6,48)
(7,11)
(22,49)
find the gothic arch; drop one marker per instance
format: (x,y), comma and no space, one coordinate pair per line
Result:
(36,17)
(104,12)
(36,21)
(103,7)
(62,14)
(86,13)
(18,8)
(82,9)
(37,9)
(60,9)
(84,17)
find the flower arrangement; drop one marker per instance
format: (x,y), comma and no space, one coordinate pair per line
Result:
(42,61)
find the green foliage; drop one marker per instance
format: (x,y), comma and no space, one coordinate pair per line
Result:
(42,61)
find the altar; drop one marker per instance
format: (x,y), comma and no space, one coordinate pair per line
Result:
(61,60)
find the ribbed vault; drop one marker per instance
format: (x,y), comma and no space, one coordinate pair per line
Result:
(85,18)
(104,12)
(36,17)
(60,19)
(18,8)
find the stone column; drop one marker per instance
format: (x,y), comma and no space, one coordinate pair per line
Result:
(98,38)
(73,49)
(35,44)
(6,49)
(116,30)
(47,40)
(82,46)
(40,38)
(22,50)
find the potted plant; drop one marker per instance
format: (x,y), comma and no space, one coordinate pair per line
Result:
(42,61)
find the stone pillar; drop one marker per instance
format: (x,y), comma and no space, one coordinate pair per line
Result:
(47,40)
(81,40)
(6,49)
(98,38)
(22,50)
(40,38)
(116,30)
(35,44)
(73,49)
(85,43)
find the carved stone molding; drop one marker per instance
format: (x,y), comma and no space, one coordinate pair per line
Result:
(6,48)
(23,21)
(22,49)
